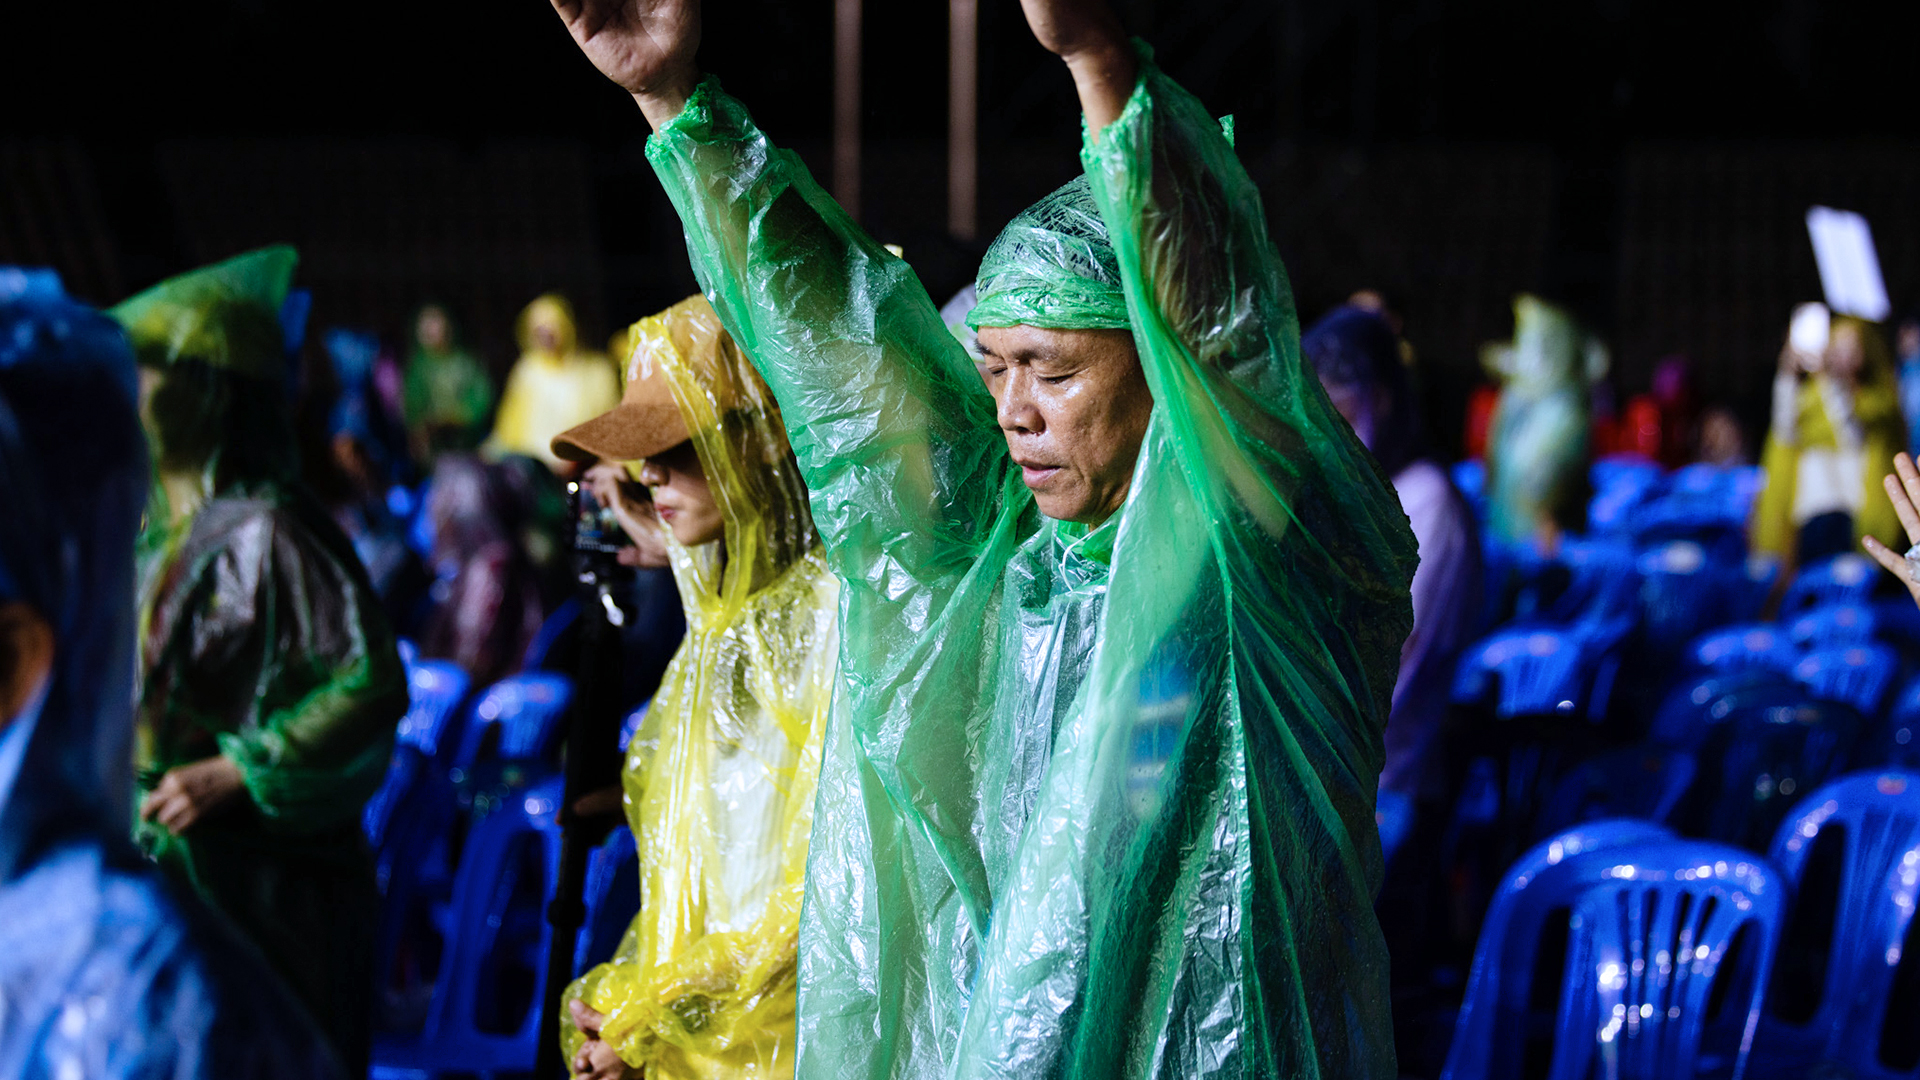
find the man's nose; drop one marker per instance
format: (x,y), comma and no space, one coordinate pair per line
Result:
(1016,409)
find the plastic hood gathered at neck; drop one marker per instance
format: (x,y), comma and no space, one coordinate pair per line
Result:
(1095,803)
(104,970)
(719,781)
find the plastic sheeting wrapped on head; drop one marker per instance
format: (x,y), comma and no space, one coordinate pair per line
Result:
(104,972)
(720,775)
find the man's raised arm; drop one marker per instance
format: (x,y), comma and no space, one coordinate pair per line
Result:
(894,433)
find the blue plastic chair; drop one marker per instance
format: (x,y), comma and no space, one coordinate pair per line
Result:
(1895,742)
(435,690)
(1767,758)
(1644,782)
(1620,886)
(1624,471)
(612,897)
(1877,816)
(1604,581)
(1843,579)
(1832,626)
(1691,709)
(1752,587)
(1487,1040)
(1537,671)
(500,939)
(1647,947)
(1734,648)
(525,710)
(1393,814)
(552,629)
(1856,674)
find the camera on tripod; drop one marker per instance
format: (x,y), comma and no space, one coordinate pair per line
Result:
(598,540)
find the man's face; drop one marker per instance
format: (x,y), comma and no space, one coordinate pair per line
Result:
(1073,405)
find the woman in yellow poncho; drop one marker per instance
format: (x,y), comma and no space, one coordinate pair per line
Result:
(1835,431)
(719,781)
(552,387)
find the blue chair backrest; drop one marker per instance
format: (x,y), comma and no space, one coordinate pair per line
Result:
(1768,759)
(499,937)
(1876,817)
(552,628)
(631,725)
(525,709)
(1733,648)
(435,690)
(1648,945)
(1856,674)
(1537,670)
(1393,814)
(1833,625)
(1628,782)
(1843,579)
(1486,1040)
(1605,581)
(1628,471)
(1752,587)
(1692,708)
(612,897)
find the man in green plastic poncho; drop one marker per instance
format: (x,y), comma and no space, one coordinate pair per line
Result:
(270,683)
(1121,606)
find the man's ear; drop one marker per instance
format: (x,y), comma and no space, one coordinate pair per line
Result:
(26,657)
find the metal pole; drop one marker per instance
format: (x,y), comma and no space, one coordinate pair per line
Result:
(963,115)
(846,105)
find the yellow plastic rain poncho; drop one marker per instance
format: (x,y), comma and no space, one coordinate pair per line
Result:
(1877,426)
(1096,804)
(553,386)
(720,778)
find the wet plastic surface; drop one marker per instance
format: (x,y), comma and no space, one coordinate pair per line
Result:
(105,971)
(720,776)
(261,641)
(1096,803)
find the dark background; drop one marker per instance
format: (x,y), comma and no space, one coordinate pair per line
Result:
(1647,162)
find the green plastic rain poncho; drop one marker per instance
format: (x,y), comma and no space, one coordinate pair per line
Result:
(719,780)
(1095,803)
(1537,440)
(261,640)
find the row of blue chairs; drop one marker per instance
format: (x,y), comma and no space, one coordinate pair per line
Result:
(1688,958)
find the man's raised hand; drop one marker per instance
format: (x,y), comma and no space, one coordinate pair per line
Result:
(1088,37)
(647,46)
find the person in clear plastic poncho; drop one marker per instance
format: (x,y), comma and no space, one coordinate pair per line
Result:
(719,780)
(105,970)
(1119,628)
(270,684)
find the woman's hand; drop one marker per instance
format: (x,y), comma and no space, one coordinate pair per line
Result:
(189,793)
(647,46)
(636,518)
(596,1060)
(1088,37)
(1903,487)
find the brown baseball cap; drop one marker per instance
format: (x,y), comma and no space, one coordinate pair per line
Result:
(646,422)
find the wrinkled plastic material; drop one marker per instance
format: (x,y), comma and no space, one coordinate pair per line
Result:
(1537,445)
(719,779)
(550,389)
(1096,803)
(104,970)
(263,642)
(1052,266)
